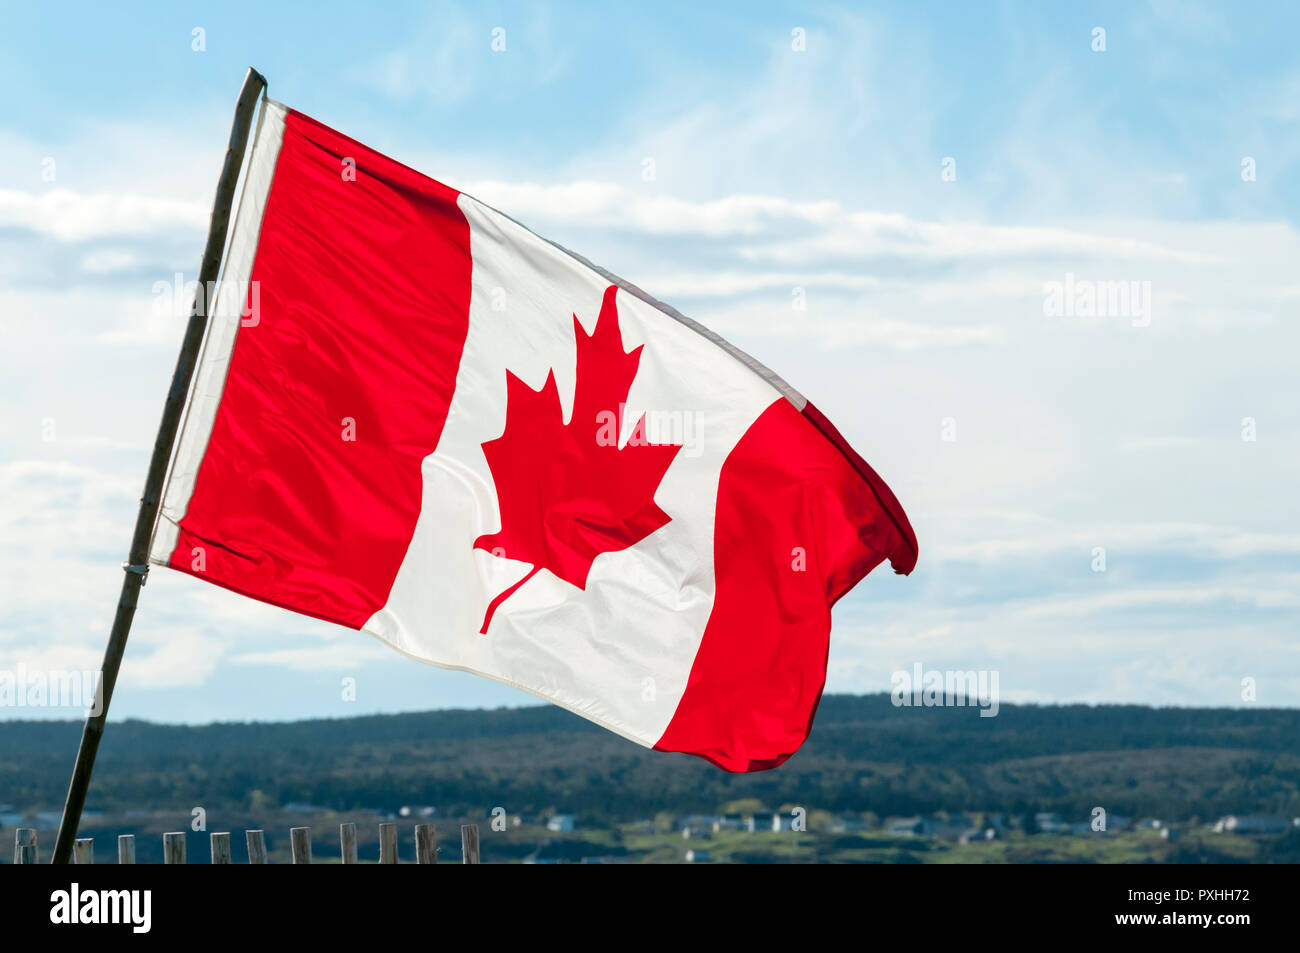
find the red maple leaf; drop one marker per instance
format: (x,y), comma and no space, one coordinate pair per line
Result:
(568,492)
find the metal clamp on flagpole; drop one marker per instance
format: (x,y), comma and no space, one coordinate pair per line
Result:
(140,569)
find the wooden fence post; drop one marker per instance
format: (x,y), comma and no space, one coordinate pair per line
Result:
(174,848)
(348,843)
(23,837)
(221,848)
(300,843)
(426,851)
(469,843)
(126,848)
(388,843)
(256,846)
(83,850)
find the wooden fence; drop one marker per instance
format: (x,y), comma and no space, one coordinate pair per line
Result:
(426,851)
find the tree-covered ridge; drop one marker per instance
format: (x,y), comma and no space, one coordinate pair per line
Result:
(864,754)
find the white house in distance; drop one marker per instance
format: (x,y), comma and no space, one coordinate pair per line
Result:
(1252,824)
(697,825)
(407,810)
(905,826)
(561,823)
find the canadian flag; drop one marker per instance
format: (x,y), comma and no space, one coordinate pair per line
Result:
(414,417)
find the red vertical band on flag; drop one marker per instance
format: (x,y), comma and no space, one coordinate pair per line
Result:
(338,386)
(799,522)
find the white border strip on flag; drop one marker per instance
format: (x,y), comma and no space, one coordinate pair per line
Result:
(225,316)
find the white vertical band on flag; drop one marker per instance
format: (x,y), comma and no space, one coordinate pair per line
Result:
(618,650)
(225,316)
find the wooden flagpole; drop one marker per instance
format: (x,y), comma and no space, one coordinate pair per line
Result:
(137,564)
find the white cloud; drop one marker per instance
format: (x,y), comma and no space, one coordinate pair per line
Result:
(723,284)
(824,228)
(611,204)
(1177,596)
(1057,537)
(339,657)
(108,262)
(76,216)
(177,657)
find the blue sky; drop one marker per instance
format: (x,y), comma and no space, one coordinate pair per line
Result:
(774,169)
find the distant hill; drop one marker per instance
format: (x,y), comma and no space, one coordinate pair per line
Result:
(864,754)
